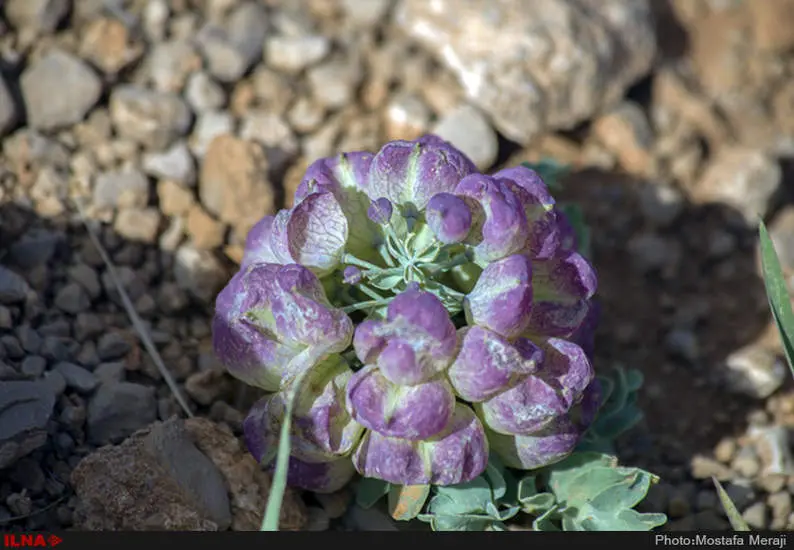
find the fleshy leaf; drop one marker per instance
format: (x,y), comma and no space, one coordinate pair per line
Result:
(545,522)
(593,493)
(496,480)
(370,491)
(407,501)
(618,413)
(532,501)
(467,497)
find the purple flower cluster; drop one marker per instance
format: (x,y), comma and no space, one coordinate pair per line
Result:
(430,315)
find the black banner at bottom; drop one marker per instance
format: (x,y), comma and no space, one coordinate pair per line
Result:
(153,540)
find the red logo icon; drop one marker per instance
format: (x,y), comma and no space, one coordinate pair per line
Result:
(28,541)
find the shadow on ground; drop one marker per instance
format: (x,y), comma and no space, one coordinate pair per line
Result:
(675,305)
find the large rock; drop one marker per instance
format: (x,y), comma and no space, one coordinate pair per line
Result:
(25,409)
(176,475)
(743,178)
(533,66)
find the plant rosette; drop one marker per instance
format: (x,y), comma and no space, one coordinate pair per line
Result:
(430,328)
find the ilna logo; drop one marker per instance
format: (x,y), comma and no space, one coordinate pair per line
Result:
(25,541)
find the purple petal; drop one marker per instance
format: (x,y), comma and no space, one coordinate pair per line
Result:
(320,419)
(247,353)
(345,171)
(526,408)
(562,286)
(530,181)
(585,334)
(528,452)
(346,176)
(503,228)
(268,315)
(449,217)
(407,412)
(317,231)
(352,275)
(567,233)
(457,455)
(320,477)
(322,429)
(250,356)
(567,366)
(264,244)
(415,342)
(368,341)
(380,211)
(543,397)
(413,171)
(488,364)
(502,298)
(261,427)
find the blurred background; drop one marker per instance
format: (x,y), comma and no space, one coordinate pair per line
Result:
(177,124)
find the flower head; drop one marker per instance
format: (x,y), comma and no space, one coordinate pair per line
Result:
(433,313)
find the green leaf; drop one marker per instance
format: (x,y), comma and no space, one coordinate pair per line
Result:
(736,519)
(562,475)
(532,501)
(502,514)
(407,501)
(385,281)
(611,426)
(777,293)
(594,493)
(626,493)
(465,498)
(496,480)
(545,522)
(370,491)
(591,518)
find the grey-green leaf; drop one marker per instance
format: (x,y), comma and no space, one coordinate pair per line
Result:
(370,491)
(464,498)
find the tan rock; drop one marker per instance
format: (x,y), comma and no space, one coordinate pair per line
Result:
(234,184)
(128,487)
(625,131)
(205,231)
(672,92)
(249,486)
(175,199)
(773,24)
(743,178)
(107,43)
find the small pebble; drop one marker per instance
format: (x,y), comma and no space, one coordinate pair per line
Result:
(756,515)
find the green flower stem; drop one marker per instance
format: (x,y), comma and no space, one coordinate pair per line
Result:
(352,260)
(370,292)
(435,269)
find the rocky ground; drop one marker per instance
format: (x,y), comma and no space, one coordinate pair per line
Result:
(176,124)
